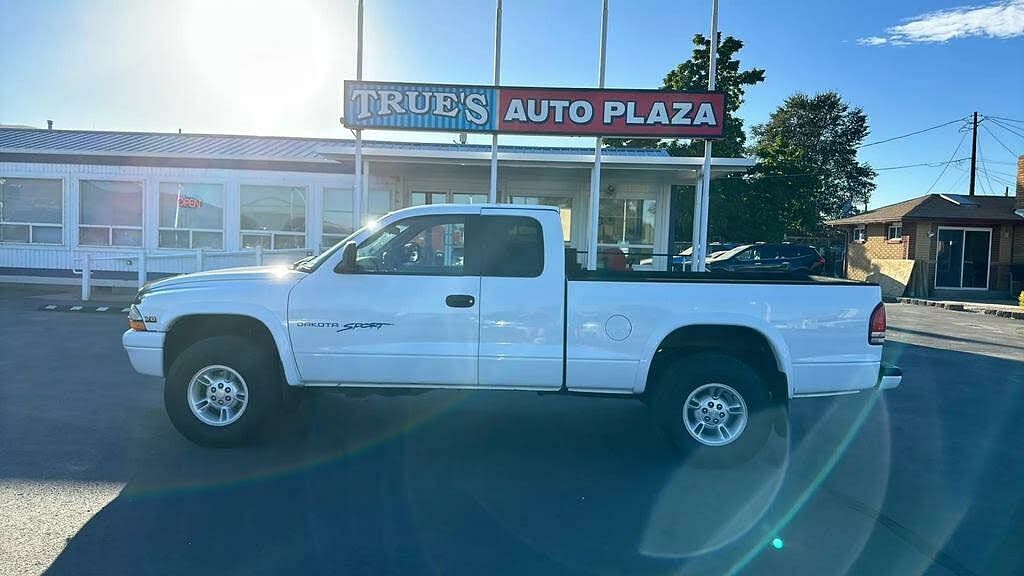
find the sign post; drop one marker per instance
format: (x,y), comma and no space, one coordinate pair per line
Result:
(701,203)
(492,195)
(595,177)
(360,204)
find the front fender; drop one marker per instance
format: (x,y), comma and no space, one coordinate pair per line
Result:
(769,332)
(166,308)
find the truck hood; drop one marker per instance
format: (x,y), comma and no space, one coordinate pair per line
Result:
(267,274)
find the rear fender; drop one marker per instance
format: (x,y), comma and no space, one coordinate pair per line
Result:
(775,340)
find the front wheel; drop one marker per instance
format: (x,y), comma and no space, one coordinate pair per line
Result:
(221,390)
(714,408)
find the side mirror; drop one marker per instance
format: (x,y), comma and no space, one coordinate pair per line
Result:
(348,259)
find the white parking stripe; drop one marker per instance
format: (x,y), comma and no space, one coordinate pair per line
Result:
(125,309)
(103,309)
(76,308)
(51,307)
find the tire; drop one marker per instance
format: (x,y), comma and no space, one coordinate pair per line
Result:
(706,374)
(224,360)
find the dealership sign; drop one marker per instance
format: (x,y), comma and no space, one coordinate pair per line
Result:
(515,110)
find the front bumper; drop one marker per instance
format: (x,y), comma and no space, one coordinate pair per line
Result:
(145,351)
(889,377)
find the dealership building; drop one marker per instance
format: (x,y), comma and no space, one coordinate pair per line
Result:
(173,203)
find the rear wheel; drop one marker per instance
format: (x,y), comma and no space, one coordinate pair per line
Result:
(714,408)
(221,390)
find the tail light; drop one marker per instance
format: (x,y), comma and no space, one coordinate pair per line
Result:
(876,328)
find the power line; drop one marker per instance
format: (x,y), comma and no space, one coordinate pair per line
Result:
(1001,143)
(1011,129)
(944,168)
(879,169)
(1007,119)
(988,177)
(912,133)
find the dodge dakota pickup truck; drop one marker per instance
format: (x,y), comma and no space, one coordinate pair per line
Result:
(485,297)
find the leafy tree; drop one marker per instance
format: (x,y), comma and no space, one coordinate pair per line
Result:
(807,171)
(692,74)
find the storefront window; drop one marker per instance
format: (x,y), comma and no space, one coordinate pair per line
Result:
(468,198)
(191,215)
(421,198)
(110,213)
(273,217)
(564,209)
(339,217)
(627,221)
(380,204)
(31,210)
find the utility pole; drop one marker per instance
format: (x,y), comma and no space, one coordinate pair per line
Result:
(974,151)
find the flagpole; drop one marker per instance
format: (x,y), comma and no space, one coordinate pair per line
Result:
(360,202)
(595,178)
(492,195)
(700,232)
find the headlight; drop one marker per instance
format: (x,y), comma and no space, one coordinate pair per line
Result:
(135,319)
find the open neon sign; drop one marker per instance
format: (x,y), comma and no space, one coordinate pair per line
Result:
(189,202)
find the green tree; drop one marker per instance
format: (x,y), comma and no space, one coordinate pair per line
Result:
(807,170)
(692,74)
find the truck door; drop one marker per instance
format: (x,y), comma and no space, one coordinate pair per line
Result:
(409,316)
(522,299)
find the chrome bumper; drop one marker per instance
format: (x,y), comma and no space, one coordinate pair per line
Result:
(145,351)
(889,377)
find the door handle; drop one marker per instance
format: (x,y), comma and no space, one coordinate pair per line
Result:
(460,301)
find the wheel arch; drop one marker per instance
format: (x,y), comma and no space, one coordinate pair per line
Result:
(189,328)
(759,344)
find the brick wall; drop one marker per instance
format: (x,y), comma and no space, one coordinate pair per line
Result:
(875,247)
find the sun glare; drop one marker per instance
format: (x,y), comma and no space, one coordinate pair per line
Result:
(269,57)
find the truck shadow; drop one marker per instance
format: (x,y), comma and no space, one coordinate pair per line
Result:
(510,483)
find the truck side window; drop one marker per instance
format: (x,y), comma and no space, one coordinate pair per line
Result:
(423,246)
(512,246)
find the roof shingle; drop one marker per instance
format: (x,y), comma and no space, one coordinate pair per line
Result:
(237,146)
(938,207)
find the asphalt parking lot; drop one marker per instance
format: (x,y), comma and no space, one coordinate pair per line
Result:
(921,480)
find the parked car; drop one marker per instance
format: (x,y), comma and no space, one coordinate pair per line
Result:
(768,258)
(681,261)
(372,315)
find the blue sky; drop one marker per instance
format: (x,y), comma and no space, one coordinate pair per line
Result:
(261,67)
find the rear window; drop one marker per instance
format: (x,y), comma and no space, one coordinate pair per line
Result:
(791,251)
(766,252)
(512,246)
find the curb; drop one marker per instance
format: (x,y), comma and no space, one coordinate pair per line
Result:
(88,308)
(961,307)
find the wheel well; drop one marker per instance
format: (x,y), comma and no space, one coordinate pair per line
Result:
(740,342)
(188,330)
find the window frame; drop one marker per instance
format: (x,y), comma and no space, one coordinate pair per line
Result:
(144,205)
(862,237)
(272,234)
(643,246)
(888,233)
(32,225)
(470,257)
(191,241)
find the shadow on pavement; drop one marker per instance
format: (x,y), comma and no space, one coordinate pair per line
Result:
(510,483)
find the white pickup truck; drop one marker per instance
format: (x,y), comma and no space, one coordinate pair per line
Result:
(480,296)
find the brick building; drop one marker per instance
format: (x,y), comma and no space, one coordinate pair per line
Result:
(959,242)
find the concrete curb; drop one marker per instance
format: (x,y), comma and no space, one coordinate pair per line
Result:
(979,308)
